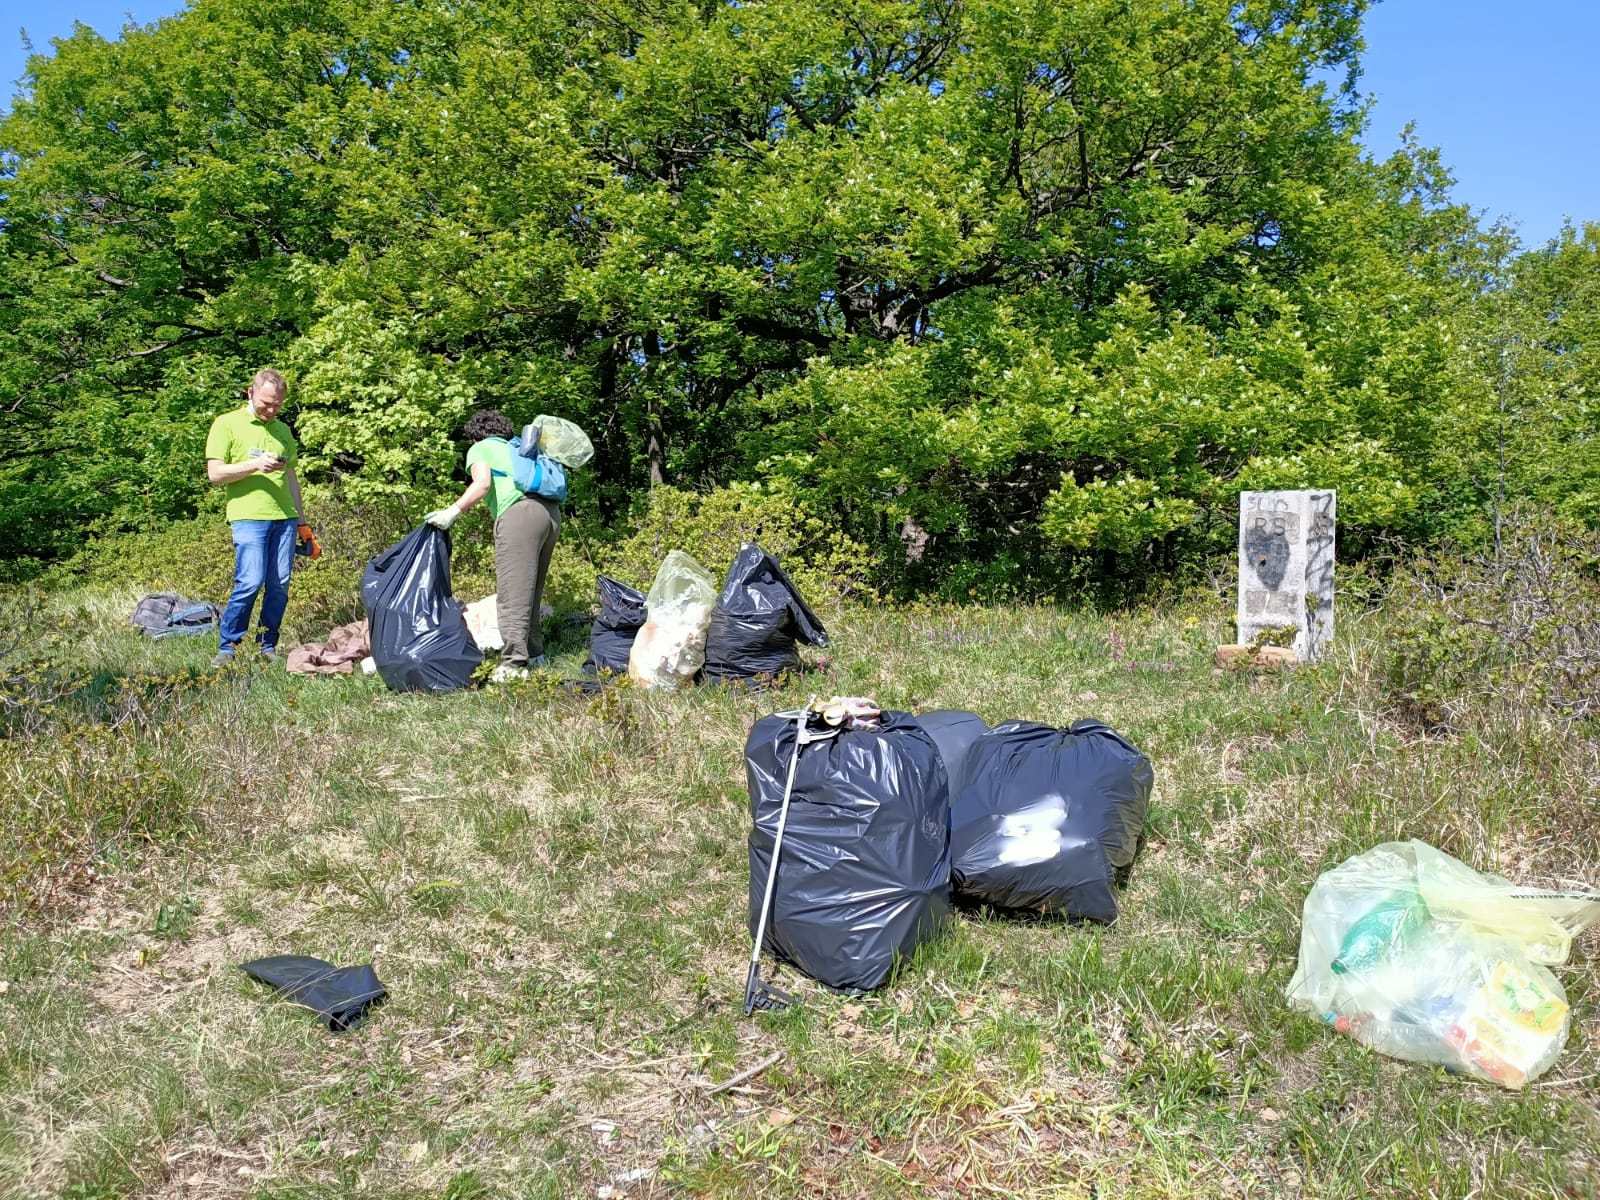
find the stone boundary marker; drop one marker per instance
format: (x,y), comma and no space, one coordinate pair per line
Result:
(1286,569)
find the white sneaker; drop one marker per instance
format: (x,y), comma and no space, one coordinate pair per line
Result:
(507,671)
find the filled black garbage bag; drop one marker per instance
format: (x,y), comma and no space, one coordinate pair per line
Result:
(341,996)
(622,615)
(864,871)
(419,635)
(1045,817)
(954,732)
(758,621)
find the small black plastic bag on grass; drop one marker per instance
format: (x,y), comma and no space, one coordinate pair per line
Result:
(1044,818)
(758,621)
(341,996)
(419,634)
(622,615)
(864,872)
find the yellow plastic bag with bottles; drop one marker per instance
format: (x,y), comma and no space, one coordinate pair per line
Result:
(1424,959)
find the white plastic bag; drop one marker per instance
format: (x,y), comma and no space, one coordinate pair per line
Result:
(671,646)
(483,622)
(1422,958)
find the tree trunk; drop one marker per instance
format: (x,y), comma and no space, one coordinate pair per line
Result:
(656,445)
(655,434)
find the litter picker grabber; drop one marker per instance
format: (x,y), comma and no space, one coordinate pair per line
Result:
(759,994)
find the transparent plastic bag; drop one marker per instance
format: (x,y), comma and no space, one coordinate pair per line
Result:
(1544,920)
(563,441)
(483,622)
(671,646)
(1422,958)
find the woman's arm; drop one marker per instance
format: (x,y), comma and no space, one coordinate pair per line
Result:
(482,480)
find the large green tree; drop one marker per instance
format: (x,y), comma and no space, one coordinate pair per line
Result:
(160,209)
(1538,346)
(994,283)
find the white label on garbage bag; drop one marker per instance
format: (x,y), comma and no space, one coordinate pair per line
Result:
(1033,834)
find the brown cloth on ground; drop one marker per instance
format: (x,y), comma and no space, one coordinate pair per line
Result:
(346,646)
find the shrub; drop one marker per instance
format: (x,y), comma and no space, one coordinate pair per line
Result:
(824,563)
(195,558)
(327,592)
(1523,625)
(192,557)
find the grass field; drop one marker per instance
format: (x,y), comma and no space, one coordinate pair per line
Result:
(553,889)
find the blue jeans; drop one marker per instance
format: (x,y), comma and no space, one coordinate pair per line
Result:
(263,556)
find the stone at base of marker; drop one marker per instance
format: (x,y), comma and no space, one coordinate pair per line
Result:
(1264,658)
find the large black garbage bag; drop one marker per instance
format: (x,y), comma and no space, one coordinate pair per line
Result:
(1045,817)
(759,618)
(954,732)
(864,871)
(622,615)
(419,636)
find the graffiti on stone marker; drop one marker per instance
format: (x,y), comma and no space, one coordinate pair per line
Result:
(1267,545)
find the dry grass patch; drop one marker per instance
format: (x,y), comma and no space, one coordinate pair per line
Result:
(554,890)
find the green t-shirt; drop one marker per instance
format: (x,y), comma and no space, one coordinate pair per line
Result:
(495,453)
(255,497)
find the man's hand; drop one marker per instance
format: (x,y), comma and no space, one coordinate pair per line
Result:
(442,518)
(218,471)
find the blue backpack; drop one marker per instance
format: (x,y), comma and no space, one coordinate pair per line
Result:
(535,474)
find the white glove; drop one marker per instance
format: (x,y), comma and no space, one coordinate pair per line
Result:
(442,518)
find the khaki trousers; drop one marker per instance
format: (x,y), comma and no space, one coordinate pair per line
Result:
(524,537)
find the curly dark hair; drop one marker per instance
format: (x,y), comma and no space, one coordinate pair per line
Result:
(489,424)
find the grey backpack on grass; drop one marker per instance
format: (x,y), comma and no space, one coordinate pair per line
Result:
(167,614)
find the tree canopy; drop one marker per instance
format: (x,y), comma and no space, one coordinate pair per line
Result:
(994,285)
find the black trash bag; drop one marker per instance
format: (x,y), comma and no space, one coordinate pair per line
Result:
(758,619)
(341,996)
(1046,817)
(419,635)
(953,732)
(622,615)
(864,872)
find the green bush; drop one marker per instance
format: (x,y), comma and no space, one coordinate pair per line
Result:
(824,563)
(327,592)
(1519,625)
(192,557)
(195,558)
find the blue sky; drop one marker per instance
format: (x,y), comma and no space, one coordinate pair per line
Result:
(1496,85)
(1499,87)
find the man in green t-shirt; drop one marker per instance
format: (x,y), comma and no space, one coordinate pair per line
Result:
(252,455)
(525,531)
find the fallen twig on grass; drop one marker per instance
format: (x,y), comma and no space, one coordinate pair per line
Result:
(748,1073)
